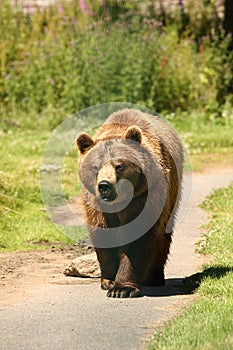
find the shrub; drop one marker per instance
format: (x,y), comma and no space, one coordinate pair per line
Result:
(58,58)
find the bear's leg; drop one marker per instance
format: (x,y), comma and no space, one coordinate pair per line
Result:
(156,277)
(109,263)
(125,284)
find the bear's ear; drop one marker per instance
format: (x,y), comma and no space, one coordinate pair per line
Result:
(133,133)
(83,142)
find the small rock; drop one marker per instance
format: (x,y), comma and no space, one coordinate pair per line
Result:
(84,266)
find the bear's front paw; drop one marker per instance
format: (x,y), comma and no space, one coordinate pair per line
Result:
(123,291)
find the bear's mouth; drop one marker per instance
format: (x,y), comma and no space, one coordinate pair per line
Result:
(109,198)
(107,191)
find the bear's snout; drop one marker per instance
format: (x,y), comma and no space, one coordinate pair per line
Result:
(107,190)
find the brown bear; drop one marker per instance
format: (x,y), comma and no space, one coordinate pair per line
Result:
(131,173)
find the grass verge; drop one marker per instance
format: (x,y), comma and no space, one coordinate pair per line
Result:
(208,323)
(24,225)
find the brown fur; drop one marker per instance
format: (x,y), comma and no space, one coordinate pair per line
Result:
(126,267)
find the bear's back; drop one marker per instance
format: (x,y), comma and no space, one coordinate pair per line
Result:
(153,125)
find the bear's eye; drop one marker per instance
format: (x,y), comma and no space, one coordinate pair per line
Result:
(119,167)
(95,169)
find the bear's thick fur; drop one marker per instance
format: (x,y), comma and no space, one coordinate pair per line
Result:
(146,151)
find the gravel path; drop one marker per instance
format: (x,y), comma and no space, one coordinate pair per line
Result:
(75,314)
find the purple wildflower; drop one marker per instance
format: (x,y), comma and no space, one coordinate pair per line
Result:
(82,6)
(60,9)
(29,9)
(181,3)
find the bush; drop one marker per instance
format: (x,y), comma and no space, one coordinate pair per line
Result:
(59,58)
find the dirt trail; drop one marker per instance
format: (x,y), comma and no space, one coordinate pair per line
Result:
(23,272)
(40,308)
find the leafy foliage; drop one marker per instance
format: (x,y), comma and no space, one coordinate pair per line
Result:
(59,58)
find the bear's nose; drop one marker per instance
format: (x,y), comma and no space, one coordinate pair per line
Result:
(105,187)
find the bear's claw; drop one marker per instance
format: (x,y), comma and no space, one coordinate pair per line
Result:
(106,284)
(123,292)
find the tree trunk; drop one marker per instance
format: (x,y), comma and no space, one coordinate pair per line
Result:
(228,17)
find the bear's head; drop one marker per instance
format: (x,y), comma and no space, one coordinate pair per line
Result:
(114,169)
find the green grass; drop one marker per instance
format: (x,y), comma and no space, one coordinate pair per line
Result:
(208,139)
(208,323)
(23,223)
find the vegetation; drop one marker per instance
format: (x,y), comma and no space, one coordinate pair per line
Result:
(23,223)
(208,139)
(59,60)
(207,324)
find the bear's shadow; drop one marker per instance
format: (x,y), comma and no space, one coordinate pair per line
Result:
(173,286)
(188,285)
